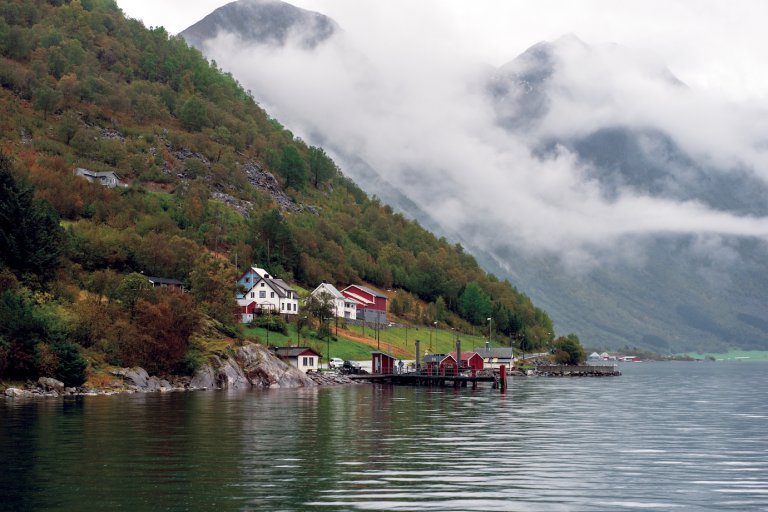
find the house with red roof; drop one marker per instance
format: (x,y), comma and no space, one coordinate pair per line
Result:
(469,360)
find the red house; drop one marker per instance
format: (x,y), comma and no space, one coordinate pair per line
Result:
(373,306)
(382,363)
(440,364)
(471,360)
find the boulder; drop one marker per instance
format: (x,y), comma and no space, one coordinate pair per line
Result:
(17,393)
(204,378)
(134,377)
(49,384)
(230,376)
(220,372)
(153,384)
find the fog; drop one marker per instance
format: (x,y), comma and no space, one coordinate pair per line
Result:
(401,88)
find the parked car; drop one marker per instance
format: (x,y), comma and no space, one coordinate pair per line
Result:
(336,362)
(353,368)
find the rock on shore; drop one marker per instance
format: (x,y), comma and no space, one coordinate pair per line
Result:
(245,367)
(249,366)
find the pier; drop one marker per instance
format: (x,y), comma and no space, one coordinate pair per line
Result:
(424,377)
(582,370)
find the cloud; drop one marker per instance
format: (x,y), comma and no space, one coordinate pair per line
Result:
(408,98)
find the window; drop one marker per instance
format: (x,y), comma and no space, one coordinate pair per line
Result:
(271,295)
(253,295)
(247,279)
(262,294)
(262,285)
(282,306)
(295,306)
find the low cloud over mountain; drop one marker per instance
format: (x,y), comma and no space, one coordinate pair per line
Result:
(573,163)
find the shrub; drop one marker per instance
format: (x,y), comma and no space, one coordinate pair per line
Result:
(272,323)
(71,367)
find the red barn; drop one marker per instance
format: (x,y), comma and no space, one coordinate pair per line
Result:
(471,360)
(373,308)
(382,363)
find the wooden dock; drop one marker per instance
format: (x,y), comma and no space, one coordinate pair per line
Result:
(423,378)
(578,371)
(498,378)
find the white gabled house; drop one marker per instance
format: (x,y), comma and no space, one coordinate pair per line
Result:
(263,293)
(343,307)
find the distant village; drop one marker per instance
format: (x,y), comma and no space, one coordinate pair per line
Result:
(260,293)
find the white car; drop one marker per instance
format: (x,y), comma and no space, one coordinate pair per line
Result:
(336,362)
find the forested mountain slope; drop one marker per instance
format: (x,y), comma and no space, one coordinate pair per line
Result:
(209,185)
(632,207)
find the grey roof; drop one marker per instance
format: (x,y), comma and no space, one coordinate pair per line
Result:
(330,289)
(273,285)
(282,284)
(368,290)
(86,172)
(292,351)
(165,280)
(436,358)
(499,353)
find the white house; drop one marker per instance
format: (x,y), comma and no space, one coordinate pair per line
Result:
(303,358)
(262,293)
(343,307)
(107,179)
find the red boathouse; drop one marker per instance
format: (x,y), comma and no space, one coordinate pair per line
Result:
(470,360)
(382,363)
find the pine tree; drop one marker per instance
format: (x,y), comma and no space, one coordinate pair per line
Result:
(30,234)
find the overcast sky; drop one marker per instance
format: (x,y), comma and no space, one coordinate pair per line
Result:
(720,45)
(398,88)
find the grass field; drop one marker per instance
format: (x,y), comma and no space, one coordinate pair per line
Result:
(397,340)
(341,347)
(735,355)
(441,341)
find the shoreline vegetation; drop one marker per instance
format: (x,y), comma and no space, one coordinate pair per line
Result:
(249,366)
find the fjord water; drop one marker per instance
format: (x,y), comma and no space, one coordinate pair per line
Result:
(664,436)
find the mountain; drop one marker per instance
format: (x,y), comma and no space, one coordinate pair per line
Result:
(679,298)
(644,159)
(128,160)
(617,119)
(269,22)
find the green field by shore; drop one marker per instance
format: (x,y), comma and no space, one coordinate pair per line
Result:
(733,355)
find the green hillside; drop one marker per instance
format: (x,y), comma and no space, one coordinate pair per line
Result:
(209,185)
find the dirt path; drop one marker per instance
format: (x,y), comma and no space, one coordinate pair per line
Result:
(385,347)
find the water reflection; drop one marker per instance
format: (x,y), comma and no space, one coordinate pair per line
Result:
(659,437)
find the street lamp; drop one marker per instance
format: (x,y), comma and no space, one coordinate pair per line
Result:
(490,323)
(431,328)
(298,329)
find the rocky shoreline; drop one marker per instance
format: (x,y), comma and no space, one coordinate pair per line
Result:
(249,366)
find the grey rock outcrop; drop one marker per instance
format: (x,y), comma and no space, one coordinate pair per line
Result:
(50,384)
(265,370)
(204,378)
(134,376)
(249,366)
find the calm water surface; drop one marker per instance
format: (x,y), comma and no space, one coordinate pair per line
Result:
(673,436)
